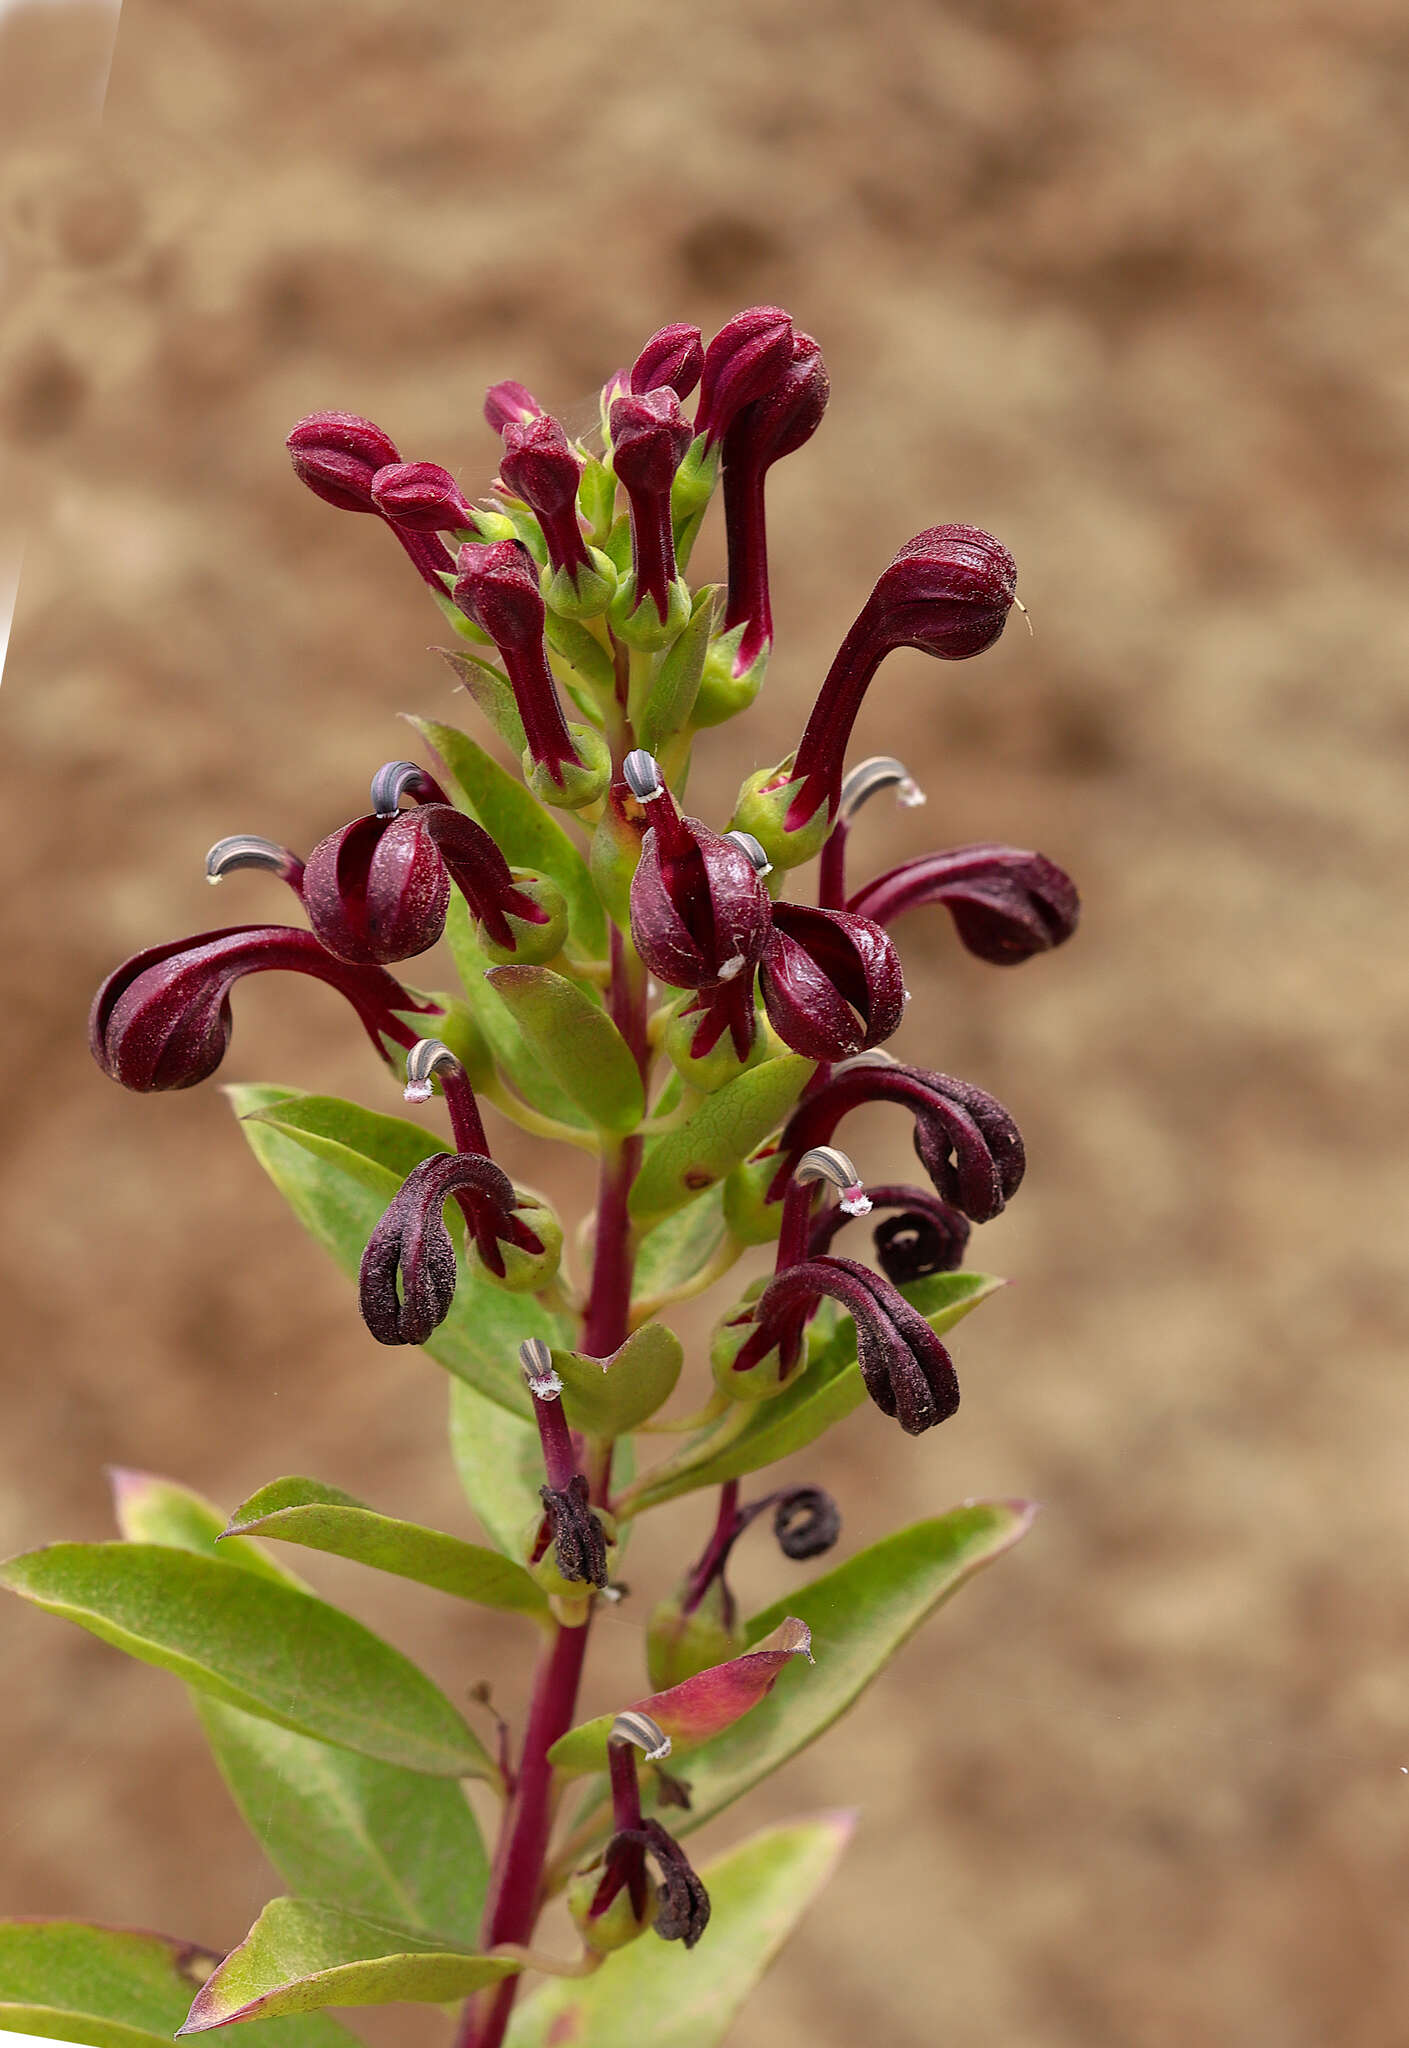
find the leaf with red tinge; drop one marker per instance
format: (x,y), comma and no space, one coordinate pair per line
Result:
(697,1708)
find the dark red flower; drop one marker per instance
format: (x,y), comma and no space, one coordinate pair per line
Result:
(673,356)
(786,416)
(832,984)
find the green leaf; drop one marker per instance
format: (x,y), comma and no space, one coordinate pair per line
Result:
(860,1615)
(608,1397)
(325,1518)
(372,1837)
(154,1510)
(697,1709)
(672,1253)
(513,1054)
(300,1956)
(677,682)
(654,1992)
(339,1197)
(375,1838)
(108,1987)
(527,834)
(492,691)
(577,1041)
(725,1128)
(500,1462)
(829,1390)
(264,1647)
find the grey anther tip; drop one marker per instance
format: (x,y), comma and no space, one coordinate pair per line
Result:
(868,778)
(427,1058)
(641,773)
(390,784)
(245,850)
(826,1162)
(747,844)
(537,1362)
(645,1733)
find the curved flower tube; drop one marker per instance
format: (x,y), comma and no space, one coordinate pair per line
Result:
(761,433)
(1007,903)
(338,455)
(162,1020)
(908,1373)
(832,983)
(539,466)
(967,1142)
(407,1278)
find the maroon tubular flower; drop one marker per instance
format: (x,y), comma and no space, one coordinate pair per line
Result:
(760,434)
(682,1903)
(338,455)
(948,592)
(162,1020)
(1006,903)
(497,586)
(422,496)
(377,890)
(407,1281)
(673,357)
(968,1144)
(832,983)
(746,358)
(539,466)
(927,1236)
(509,404)
(649,438)
(699,911)
(907,1371)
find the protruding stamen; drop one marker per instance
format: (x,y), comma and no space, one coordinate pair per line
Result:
(427,1058)
(642,776)
(392,782)
(869,778)
(246,850)
(537,1362)
(645,1733)
(826,1162)
(750,846)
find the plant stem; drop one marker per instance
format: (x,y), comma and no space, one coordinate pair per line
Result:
(516,1882)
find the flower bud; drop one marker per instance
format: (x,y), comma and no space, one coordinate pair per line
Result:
(773,425)
(509,404)
(746,357)
(423,496)
(162,1020)
(337,454)
(649,437)
(831,983)
(673,357)
(947,592)
(539,466)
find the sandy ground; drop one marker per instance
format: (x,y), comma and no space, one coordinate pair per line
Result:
(1130,286)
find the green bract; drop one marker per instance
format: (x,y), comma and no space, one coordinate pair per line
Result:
(642,987)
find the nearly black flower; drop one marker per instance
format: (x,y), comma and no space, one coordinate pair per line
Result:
(1007,903)
(907,1371)
(407,1279)
(699,910)
(162,1020)
(925,1236)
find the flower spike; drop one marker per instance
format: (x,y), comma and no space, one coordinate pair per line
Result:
(162,1020)
(1007,903)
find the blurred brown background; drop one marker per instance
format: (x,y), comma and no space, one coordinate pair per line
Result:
(1126,283)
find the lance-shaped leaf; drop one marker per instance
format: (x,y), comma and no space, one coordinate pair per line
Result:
(526,833)
(335,1825)
(698,1708)
(670,697)
(720,1134)
(577,1042)
(513,1054)
(111,1987)
(653,1992)
(500,1462)
(324,1518)
(150,1509)
(675,1251)
(301,1956)
(266,1648)
(339,1195)
(860,1615)
(828,1391)
(492,691)
(606,1397)
(344,1827)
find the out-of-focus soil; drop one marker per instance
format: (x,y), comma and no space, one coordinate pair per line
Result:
(1128,284)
